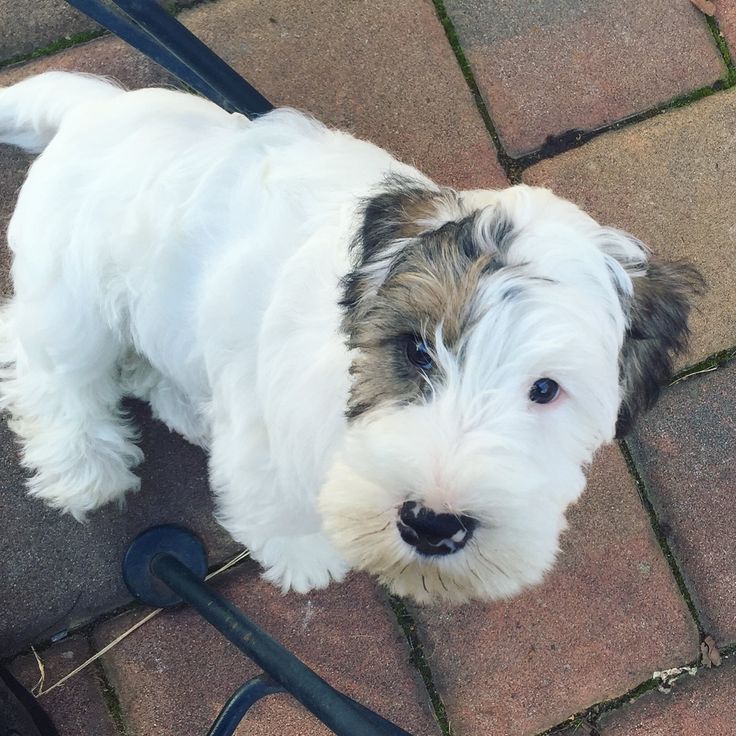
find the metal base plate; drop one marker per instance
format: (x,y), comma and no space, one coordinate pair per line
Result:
(165,538)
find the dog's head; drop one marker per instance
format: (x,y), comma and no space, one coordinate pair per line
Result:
(499,339)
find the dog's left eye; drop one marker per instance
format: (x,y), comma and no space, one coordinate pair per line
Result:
(544,390)
(418,353)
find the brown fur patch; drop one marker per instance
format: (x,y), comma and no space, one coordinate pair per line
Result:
(432,282)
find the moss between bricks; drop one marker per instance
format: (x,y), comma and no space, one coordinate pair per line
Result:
(710,363)
(661,539)
(723,48)
(55,47)
(111,700)
(419,661)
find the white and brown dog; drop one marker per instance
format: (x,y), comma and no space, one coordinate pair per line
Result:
(387,374)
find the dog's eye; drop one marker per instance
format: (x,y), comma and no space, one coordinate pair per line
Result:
(417,353)
(544,390)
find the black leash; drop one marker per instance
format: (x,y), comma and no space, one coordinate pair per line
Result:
(146,26)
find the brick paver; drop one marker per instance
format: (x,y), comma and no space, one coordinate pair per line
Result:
(31,24)
(175,674)
(78,707)
(671,181)
(59,573)
(696,705)
(546,68)
(685,452)
(726,17)
(382,69)
(605,619)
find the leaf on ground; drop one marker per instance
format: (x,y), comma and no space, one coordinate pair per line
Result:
(709,654)
(704,6)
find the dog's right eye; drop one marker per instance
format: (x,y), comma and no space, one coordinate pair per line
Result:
(418,354)
(544,391)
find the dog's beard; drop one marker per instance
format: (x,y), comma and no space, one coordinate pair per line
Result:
(518,510)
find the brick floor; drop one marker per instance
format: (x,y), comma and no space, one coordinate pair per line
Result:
(696,705)
(604,620)
(546,68)
(685,450)
(59,573)
(175,674)
(31,24)
(358,66)
(78,708)
(670,181)
(726,17)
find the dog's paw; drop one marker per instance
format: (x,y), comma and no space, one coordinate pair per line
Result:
(302,563)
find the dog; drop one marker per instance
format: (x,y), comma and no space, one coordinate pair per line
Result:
(387,374)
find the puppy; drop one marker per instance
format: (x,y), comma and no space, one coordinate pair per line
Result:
(387,374)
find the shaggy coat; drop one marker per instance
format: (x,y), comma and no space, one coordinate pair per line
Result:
(387,374)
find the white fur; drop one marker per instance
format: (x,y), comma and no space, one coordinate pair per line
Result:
(165,249)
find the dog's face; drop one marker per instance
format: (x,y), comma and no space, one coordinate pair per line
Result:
(495,349)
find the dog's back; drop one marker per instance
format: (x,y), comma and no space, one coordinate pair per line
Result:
(151,224)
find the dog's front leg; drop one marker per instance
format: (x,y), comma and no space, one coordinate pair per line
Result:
(280,526)
(301,562)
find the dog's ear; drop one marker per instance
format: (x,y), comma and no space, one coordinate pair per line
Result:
(401,211)
(657,312)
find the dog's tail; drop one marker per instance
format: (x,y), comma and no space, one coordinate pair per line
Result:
(32,110)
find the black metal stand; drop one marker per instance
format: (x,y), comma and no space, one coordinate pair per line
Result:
(146,26)
(166,565)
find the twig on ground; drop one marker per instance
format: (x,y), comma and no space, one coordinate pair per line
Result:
(39,690)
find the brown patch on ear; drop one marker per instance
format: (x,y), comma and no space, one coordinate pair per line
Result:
(658,331)
(434,282)
(403,210)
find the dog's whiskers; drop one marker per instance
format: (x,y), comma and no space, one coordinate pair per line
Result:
(374,532)
(442,582)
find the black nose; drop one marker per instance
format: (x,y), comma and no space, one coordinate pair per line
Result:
(433,534)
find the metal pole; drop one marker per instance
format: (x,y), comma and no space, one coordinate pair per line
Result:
(340,713)
(153,31)
(197,56)
(240,701)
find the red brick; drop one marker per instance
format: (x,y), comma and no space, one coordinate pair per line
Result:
(78,707)
(726,17)
(546,68)
(606,617)
(176,672)
(383,70)
(700,704)
(685,451)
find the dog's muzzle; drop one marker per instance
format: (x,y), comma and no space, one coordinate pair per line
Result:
(433,534)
